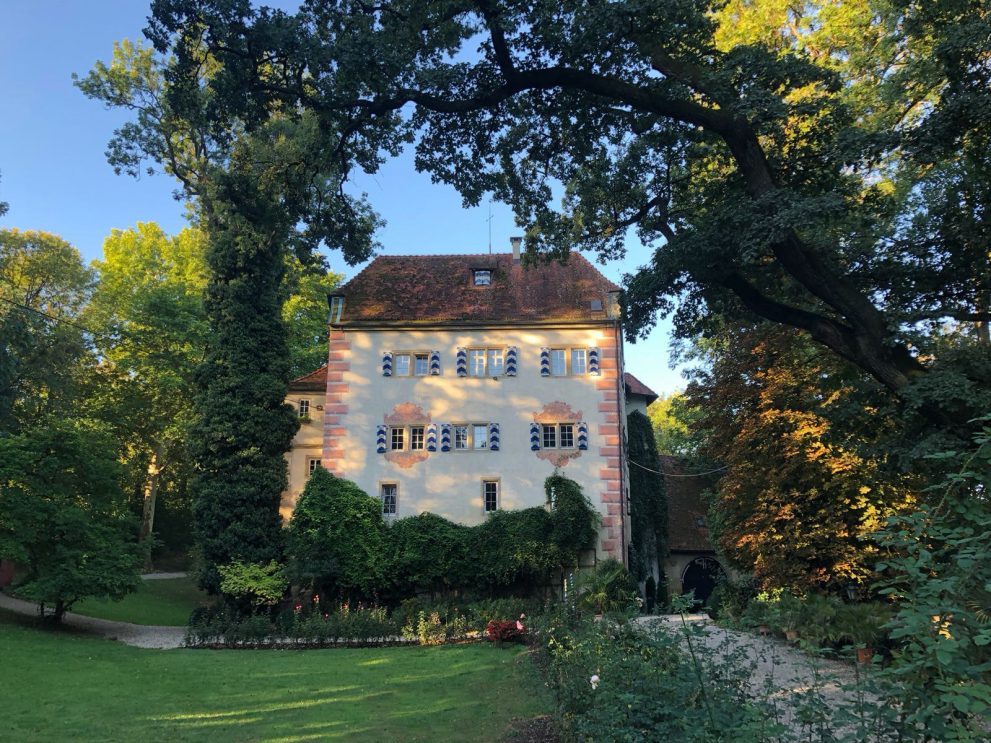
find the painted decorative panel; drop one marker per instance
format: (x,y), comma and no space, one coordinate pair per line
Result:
(387,364)
(583,435)
(534,437)
(445,437)
(435,363)
(593,361)
(432,437)
(545,362)
(380,439)
(512,360)
(494,437)
(462,364)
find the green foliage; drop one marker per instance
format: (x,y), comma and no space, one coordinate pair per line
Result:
(336,538)
(62,517)
(938,573)
(304,314)
(609,681)
(261,585)
(607,588)
(648,498)
(428,554)
(671,418)
(573,519)
(514,549)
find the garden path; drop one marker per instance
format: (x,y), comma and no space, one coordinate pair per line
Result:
(138,635)
(780,673)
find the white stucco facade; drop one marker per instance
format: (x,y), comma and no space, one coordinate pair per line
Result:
(360,399)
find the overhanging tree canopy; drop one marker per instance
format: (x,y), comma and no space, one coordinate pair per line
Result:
(775,178)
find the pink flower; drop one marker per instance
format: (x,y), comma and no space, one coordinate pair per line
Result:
(519,625)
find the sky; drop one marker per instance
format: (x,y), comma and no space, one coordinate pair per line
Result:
(54,174)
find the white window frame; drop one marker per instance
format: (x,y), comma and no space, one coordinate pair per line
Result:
(303,408)
(422,430)
(470,440)
(393,430)
(494,481)
(411,364)
(568,354)
(555,429)
(311,464)
(395,499)
(481,276)
(487,352)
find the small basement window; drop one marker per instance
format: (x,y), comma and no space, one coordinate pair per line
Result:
(481,277)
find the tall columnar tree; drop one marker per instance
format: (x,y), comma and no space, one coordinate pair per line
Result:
(262,198)
(648,498)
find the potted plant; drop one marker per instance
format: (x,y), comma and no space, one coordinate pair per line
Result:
(791,616)
(861,625)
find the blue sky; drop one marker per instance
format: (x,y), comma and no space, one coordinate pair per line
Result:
(55,177)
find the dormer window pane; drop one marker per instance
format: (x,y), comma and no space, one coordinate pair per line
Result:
(482,277)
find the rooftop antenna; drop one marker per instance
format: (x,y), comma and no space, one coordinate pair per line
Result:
(489,220)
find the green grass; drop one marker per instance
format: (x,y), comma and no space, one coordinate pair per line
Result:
(61,686)
(166,602)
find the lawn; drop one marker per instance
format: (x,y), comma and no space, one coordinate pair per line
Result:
(167,602)
(61,686)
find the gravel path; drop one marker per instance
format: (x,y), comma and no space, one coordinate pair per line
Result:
(779,672)
(138,635)
(162,576)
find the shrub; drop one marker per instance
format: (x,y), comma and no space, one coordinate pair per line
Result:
(258,585)
(607,588)
(427,554)
(336,538)
(506,631)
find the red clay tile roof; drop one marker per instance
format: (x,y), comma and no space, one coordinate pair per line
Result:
(635,387)
(315,381)
(685,509)
(440,288)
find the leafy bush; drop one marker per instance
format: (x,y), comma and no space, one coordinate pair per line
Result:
(506,631)
(259,585)
(336,538)
(729,599)
(513,550)
(573,519)
(427,554)
(607,588)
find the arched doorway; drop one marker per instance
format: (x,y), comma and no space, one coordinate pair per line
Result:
(702,574)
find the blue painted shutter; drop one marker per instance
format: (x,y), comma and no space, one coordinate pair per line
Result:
(582,435)
(432,437)
(387,364)
(462,362)
(534,437)
(380,439)
(435,363)
(512,360)
(545,362)
(494,436)
(593,361)
(445,437)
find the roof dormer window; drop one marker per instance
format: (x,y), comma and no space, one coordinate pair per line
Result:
(481,276)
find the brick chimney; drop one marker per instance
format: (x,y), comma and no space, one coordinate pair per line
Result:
(515,242)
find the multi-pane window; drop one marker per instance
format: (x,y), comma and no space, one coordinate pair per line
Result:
(549,436)
(416,437)
(490,495)
(421,364)
(390,498)
(482,277)
(567,437)
(557,435)
(304,408)
(397,438)
(406,364)
(311,465)
(485,362)
(568,361)
(470,436)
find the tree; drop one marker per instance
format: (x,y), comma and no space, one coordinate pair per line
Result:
(64,518)
(336,539)
(304,313)
(768,170)
(670,417)
(149,304)
(648,499)
(261,198)
(806,485)
(44,288)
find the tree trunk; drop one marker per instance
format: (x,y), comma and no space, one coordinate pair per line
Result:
(150,498)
